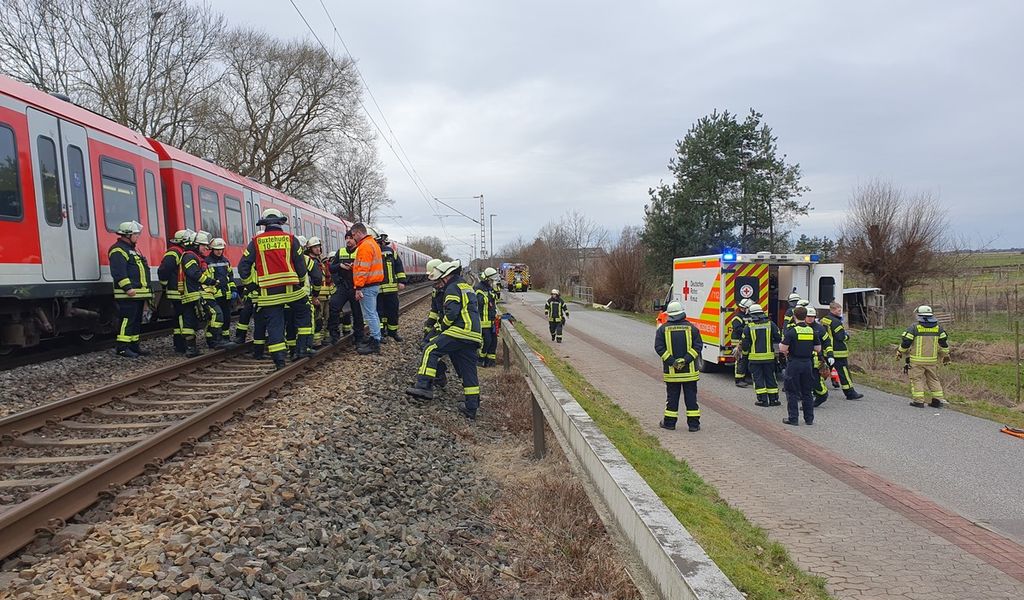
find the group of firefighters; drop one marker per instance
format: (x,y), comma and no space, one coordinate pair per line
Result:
(805,351)
(292,294)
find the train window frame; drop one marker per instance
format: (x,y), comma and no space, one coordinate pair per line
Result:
(19,202)
(152,203)
(79,205)
(228,209)
(318,231)
(44,182)
(202,222)
(188,206)
(307,229)
(111,222)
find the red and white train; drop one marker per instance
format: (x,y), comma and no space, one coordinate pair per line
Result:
(68,177)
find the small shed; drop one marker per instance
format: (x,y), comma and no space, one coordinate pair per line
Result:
(864,306)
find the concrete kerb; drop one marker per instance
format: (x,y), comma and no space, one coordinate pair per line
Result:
(675,564)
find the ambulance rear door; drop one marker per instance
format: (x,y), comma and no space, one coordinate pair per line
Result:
(826,285)
(697,284)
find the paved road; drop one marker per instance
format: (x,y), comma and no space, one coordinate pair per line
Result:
(917,479)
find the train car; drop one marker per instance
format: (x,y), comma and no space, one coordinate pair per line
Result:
(68,177)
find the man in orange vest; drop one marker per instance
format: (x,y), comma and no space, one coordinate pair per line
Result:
(367,275)
(276,258)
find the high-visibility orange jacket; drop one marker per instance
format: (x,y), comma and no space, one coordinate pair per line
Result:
(368,268)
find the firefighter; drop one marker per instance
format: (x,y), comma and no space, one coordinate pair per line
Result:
(432,325)
(367,275)
(800,343)
(192,277)
(487,300)
(922,343)
(557,313)
(837,339)
(132,288)
(794,301)
(678,343)
(217,335)
(298,314)
(312,250)
(327,288)
(341,272)
(247,311)
(760,336)
(394,280)
(460,339)
(820,358)
(167,272)
(276,258)
(741,373)
(211,316)
(291,325)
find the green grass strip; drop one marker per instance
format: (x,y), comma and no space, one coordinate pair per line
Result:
(759,567)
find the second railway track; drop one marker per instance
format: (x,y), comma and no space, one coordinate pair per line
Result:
(59,458)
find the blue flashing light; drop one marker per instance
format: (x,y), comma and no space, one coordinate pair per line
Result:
(729,255)
(814,258)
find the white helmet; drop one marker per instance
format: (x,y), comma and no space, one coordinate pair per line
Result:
(437,271)
(272,214)
(746,303)
(182,236)
(490,273)
(755,309)
(555,292)
(201,238)
(432,264)
(312,242)
(217,244)
(302,240)
(794,297)
(675,309)
(803,302)
(129,228)
(450,267)
(811,312)
(924,311)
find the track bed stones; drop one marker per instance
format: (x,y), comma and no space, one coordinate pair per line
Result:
(337,487)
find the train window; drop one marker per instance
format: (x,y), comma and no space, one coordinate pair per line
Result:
(10,192)
(53,210)
(308,231)
(79,193)
(120,194)
(188,206)
(233,212)
(248,215)
(319,232)
(151,205)
(209,211)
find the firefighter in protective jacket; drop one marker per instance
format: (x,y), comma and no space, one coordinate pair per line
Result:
(923,343)
(132,288)
(557,313)
(741,373)
(487,298)
(167,272)
(760,338)
(679,344)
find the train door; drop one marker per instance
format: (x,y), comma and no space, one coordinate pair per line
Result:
(63,184)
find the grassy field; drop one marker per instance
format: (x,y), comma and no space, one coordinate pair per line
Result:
(760,568)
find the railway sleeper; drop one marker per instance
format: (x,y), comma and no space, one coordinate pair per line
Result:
(24,461)
(115,426)
(34,441)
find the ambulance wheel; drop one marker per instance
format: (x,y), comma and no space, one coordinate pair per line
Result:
(704,366)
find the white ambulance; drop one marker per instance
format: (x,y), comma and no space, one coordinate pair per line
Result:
(710,287)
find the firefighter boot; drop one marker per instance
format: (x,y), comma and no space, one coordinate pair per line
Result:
(693,424)
(278,357)
(136,348)
(852,394)
(126,351)
(421,389)
(394,335)
(192,350)
(239,337)
(372,346)
(304,347)
(179,343)
(469,407)
(935,403)
(667,423)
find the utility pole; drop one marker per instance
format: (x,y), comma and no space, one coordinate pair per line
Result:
(483,241)
(492,233)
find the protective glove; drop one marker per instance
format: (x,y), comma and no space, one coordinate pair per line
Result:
(946,359)
(737,352)
(680,364)
(831,361)
(906,368)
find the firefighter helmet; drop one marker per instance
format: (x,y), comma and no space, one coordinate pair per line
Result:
(555,292)
(755,309)
(675,309)
(803,302)
(794,297)
(301,239)
(924,311)
(437,272)
(449,268)
(746,303)
(811,312)
(182,236)
(490,273)
(217,244)
(201,238)
(432,264)
(313,242)
(273,213)
(129,228)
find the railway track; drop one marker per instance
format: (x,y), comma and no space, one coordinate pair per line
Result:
(59,458)
(72,346)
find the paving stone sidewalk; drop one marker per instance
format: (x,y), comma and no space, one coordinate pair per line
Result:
(864,544)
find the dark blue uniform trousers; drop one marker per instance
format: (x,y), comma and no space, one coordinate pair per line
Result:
(800,379)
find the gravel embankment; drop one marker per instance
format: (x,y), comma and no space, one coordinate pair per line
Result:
(338,488)
(31,385)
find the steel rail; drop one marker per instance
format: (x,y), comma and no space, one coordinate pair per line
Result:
(46,511)
(34,356)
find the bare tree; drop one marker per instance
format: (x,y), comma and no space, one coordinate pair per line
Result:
(623,280)
(352,184)
(895,238)
(430,245)
(584,240)
(283,104)
(35,46)
(147,66)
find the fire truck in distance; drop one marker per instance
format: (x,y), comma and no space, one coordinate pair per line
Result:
(710,288)
(516,277)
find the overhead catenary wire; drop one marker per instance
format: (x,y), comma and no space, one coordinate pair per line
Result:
(409,169)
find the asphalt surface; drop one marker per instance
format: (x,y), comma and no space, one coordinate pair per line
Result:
(959,461)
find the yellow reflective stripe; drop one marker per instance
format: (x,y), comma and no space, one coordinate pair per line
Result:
(693,413)
(472,390)
(124,282)
(672,414)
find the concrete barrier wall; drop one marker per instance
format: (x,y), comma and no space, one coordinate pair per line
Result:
(675,564)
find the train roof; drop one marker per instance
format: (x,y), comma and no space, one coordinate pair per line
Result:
(69,111)
(168,152)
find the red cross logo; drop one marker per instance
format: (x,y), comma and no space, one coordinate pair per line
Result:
(686,290)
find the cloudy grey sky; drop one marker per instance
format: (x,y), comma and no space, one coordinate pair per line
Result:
(545,107)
